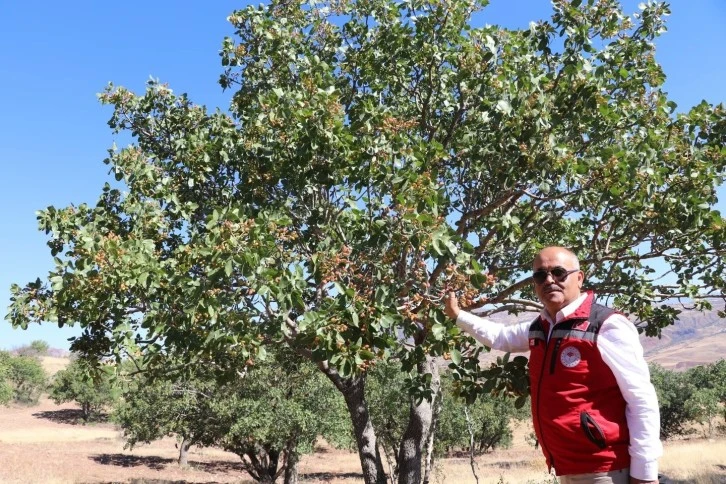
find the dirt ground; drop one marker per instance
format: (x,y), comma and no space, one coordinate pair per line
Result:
(47,444)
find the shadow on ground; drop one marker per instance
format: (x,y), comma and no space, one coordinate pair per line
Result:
(329,476)
(217,466)
(71,416)
(159,463)
(156,481)
(124,460)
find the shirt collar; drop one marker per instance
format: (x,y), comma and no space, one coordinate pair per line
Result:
(565,312)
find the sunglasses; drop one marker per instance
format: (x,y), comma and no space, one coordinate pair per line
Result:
(559,274)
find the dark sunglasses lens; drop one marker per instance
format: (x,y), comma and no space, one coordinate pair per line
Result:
(539,277)
(559,272)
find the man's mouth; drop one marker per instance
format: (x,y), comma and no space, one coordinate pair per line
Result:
(551,289)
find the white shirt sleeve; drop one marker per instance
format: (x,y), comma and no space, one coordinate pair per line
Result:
(498,336)
(621,350)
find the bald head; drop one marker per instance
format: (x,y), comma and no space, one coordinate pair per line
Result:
(560,253)
(557,292)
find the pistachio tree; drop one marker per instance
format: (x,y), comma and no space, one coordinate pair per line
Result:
(268,416)
(94,392)
(22,379)
(375,154)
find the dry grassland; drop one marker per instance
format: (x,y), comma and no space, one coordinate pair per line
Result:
(44,444)
(53,364)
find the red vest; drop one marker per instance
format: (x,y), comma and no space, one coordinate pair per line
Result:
(577,408)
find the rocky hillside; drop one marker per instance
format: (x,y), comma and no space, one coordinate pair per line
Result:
(697,338)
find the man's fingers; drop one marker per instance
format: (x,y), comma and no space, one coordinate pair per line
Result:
(451,305)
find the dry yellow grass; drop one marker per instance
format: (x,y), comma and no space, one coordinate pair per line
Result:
(695,461)
(53,365)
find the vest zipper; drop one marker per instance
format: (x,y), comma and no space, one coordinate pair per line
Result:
(539,413)
(553,361)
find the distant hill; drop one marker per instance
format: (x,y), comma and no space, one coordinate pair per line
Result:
(697,338)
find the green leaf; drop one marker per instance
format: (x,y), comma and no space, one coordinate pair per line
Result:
(366,354)
(438,331)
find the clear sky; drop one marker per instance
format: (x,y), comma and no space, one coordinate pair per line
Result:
(56,56)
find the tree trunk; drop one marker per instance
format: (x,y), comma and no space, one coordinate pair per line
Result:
(419,427)
(291,466)
(184,452)
(259,461)
(437,403)
(268,469)
(272,467)
(353,390)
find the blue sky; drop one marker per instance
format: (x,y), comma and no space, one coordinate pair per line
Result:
(56,56)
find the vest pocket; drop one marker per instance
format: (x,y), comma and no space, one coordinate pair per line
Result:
(592,430)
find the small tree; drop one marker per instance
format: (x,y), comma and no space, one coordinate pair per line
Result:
(269,415)
(36,348)
(154,408)
(709,397)
(6,389)
(274,414)
(388,396)
(22,379)
(40,347)
(81,383)
(489,419)
(674,389)
(703,406)
(388,403)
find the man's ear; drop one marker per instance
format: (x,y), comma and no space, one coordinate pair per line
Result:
(580,278)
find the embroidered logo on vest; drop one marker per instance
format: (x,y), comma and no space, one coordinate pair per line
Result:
(570,357)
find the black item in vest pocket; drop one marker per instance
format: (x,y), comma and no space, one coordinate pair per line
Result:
(592,430)
(555,353)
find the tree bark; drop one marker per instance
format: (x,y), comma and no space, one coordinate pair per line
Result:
(470,428)
(437,403)
(274,456)
(260,463)
(291,465)
(353,390)
(184,452)
(419,427)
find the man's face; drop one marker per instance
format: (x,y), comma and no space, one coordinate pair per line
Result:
(553,293)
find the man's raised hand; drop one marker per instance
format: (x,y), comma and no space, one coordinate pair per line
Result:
(451,305)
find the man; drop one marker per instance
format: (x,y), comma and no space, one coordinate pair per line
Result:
(594,409)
